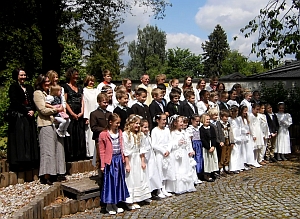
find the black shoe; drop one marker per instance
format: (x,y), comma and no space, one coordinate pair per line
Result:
(61,178)
(283,157)
(272,159)
(46,182)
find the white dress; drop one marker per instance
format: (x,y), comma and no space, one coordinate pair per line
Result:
(201,107)
(137,179)
(233,103)
(247,144)
(90,105)
(237,157)
(282,144)
(161,143)
(248,104)
(152,169)
(256,131)
(184,180)
(265,132)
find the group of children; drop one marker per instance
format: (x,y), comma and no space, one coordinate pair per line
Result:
(169,147)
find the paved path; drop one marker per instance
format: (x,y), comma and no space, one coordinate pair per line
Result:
(272,191)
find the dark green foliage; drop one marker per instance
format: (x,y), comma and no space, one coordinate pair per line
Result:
(278,28)
(279,93)
(182,62)
(215,51)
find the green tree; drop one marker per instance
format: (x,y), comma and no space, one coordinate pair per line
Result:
(147,52)
(278,31)
(45,21)
(182,62)
(215,51)
(105,50)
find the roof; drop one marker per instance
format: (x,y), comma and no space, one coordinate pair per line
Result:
(290,70)
(233,76)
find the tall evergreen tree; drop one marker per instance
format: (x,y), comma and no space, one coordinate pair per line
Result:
(147,52)
(215,51)
(105,49)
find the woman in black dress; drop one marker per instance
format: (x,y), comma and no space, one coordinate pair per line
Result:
(22,146)
(75,148)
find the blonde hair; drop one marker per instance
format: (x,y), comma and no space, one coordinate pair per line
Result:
(173,121)
(155,92)
(54,90)
(128,126)
(87,79)
(203,117)
(212,111)
(51,75)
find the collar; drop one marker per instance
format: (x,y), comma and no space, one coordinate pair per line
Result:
(104,111)
(139,103)
(206,127)
(122,107)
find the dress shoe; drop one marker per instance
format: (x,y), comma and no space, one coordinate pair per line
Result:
(136,206)
(130,206)
(118,210)
(278,157)
(46,182)
(283,157)
(110,210)
(273,159)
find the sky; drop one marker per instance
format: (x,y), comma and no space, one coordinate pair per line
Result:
(189,22)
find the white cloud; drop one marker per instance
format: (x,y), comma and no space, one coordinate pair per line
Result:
(184,41)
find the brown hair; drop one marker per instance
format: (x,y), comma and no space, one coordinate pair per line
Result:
(106,72)
(121,94)
(101,97)
(112,118)
(184,86)
(199,82)
(54,90)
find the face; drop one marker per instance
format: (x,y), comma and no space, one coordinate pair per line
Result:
(221,87)
(175,100)
(188,81)
(196,122)
(185,125)
(281,108)
(145,80)
(175,83)
(224,98)
(238,89)
(248,97)
(115,125)
(214,99)
(233,95)
(75,77)
(234,113)
(191,99)
(128,85)
(255,110)
(256,96)
(179,124)
(214,117)
(206,96)
(109,93)
(224,118)
(141,98)
(135,127)
(46,84)
(107,78)
(55,79)
(158,97)
(59,93)
(123,101)
(262,109)
(161,81)
(245,111)
(145,128)
(215,82)
(91,83)
(22,77)
(206,121)
(162,121)
(269,109)
(103,104)
(202,85)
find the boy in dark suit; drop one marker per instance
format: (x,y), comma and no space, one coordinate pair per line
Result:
(222,102)
(175,105)
(140,108)
(189,108)
(122,109)
(156,107)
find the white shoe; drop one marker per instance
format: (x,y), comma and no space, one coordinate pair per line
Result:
(247,168)
(110,210)
(118,210)
(67,134)
(148,200)
(257,165)
(161,195)
(60,133)
(136,206)
(198,182)
(166,193)
(130,206)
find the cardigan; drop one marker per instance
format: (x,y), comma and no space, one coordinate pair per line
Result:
(208,137)
(106,147)
(45,115)
(98,122)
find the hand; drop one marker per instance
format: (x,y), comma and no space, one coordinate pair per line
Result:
(143,165)
(273,134)
(127,168)
(60,109)
(232,145)
(30,113)
(191,154)
(221,144)
(87,122)
(79,115)
(102,169)
(74,116)
(180,142)
(211,149)
(254,138)
(166,154)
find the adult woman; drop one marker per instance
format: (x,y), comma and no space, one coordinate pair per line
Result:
(75,144)
(51,146)
(131,97)
(90,104)
(188,85)
(22,145)
(220,87)
(201,85)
